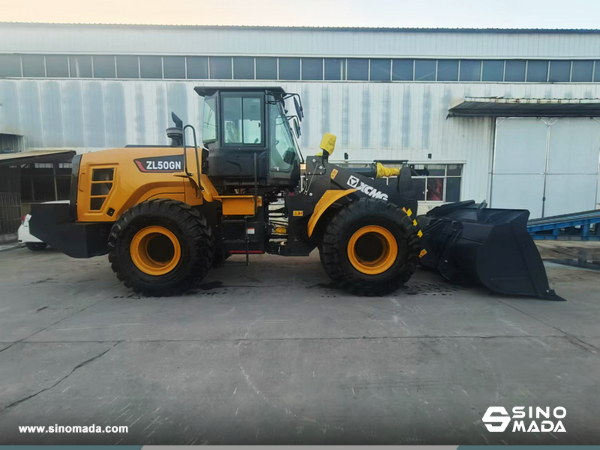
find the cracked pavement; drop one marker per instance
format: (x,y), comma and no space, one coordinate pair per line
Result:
(271,354)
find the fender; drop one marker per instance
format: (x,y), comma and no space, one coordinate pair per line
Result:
(328,199)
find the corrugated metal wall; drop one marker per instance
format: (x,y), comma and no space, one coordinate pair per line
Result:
(114,39)
(371,120)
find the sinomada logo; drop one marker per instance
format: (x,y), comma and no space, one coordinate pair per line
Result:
(525,419)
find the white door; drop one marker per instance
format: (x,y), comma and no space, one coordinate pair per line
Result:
(519,164)
(548,166)
(572,175)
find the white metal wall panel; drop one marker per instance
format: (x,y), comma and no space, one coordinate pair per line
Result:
(569,193)
(572,176)
(549,166)
(519,164)
(139,39)
(520,146)
(519,192)
(574,146)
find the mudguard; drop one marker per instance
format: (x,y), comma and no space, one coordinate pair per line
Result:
(468,243)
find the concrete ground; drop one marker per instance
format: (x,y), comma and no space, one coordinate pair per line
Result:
(271,354)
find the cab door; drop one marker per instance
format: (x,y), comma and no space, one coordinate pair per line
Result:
(241,148)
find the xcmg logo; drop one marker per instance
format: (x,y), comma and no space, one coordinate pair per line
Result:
(528,420)
(369,190)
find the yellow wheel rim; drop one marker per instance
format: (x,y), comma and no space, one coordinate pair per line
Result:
(155,250)
(372,250)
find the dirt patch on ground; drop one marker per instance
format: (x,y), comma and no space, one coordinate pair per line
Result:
(565,274)
(588,251)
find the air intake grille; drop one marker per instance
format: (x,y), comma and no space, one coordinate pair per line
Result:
(102,183)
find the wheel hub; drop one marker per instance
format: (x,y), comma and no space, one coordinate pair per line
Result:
(372,250)
(155,250)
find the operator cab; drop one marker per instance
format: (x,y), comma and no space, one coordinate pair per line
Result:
(249,137)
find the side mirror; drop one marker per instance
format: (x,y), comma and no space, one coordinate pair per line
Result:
(178,122)
(346,156)
(288,156)
(299,109)
(297,128)
(175,134)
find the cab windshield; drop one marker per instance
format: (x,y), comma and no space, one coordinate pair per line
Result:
(281,141)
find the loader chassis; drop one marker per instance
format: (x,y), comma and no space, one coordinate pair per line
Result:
(166,214)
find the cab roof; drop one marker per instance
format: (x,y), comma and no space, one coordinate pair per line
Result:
(204,91)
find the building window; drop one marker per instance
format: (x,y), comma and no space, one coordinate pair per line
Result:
(104,67)
(312,68)
(438,182)
(266,68)
(597,71)
(582,71)
(295,69)
(381,69)
(492,71)
(174,67)
(425,69)
(515,71)
(220,68)
(537,71)
(57,66)
(470,70)
(10,66)
(334,69)
(560,71)
(358,69)
(33,66)
(151,67)
(243,68)
(289,68)
(128,67)
(402,69)
(447,70)
(197,68)
(80,66)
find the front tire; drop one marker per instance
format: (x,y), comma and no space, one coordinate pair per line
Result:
(161,247)
(370,247)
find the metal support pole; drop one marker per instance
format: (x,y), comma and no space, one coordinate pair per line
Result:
(54,178)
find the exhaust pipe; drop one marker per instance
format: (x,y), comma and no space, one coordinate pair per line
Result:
(468,243)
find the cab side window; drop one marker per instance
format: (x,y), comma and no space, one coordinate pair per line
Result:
(281,141)
(242,120)
(209,122)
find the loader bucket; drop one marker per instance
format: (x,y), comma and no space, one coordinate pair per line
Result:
(471,244)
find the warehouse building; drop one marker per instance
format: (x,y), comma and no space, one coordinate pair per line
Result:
(507,116)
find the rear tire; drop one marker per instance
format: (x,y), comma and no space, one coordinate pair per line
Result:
(36,246)
(370,247)
(161,247)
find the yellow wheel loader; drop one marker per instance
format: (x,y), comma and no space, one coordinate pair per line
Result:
(166,214)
